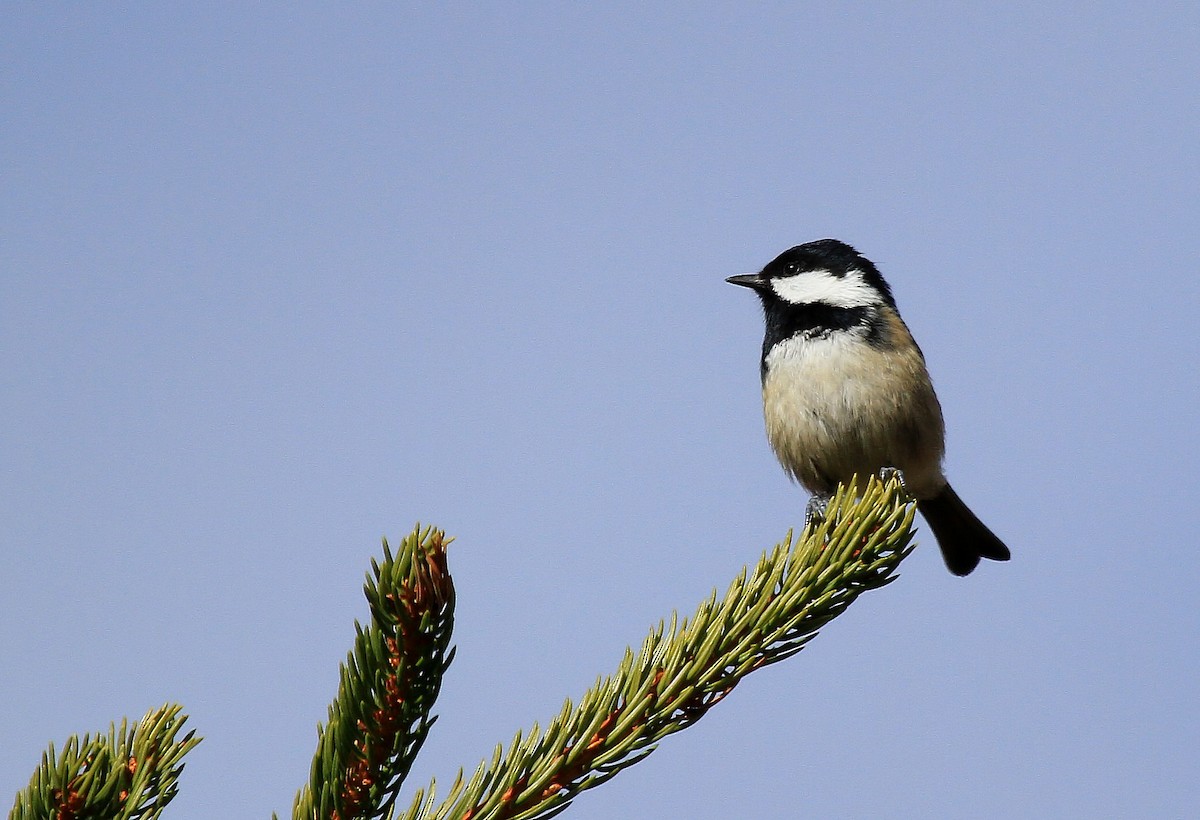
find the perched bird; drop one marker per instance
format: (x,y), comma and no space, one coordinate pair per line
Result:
(846,392)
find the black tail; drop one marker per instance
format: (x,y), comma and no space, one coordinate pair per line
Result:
(964,539)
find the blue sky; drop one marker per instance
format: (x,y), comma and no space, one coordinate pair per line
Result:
(277,281)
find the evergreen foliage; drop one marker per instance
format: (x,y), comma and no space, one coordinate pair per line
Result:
(129,774)
(383,709)
(389,683)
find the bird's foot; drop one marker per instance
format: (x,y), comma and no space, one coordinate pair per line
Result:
(888,473)
(815,512)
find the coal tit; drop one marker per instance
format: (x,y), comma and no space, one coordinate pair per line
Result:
(846,392)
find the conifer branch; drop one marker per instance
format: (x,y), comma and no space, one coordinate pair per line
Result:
(131,773)
(391,680)
(684,669)
(389,683)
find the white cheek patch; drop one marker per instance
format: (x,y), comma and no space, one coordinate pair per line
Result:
(847,291)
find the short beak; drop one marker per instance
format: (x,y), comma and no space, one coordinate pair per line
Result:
(748,280)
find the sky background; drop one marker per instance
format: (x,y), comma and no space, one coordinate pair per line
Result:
(276,281)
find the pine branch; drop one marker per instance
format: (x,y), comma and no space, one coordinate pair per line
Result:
(392,677)
(685,669)
(129,774)
(388,685)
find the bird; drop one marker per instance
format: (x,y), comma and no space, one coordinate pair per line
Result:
(846,391)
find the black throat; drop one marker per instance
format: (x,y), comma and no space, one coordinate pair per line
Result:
(817,320)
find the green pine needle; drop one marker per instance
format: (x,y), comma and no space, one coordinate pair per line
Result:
(390,680)
(131,773)
(685,668)
(389,683)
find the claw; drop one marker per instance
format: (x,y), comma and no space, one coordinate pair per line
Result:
(888,473)
(814,513)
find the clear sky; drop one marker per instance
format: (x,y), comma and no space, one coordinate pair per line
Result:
(276,281)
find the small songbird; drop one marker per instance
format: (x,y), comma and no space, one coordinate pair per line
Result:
(846,392)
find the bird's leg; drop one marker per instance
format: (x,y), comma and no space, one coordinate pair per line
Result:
(888,473)
(815,512)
